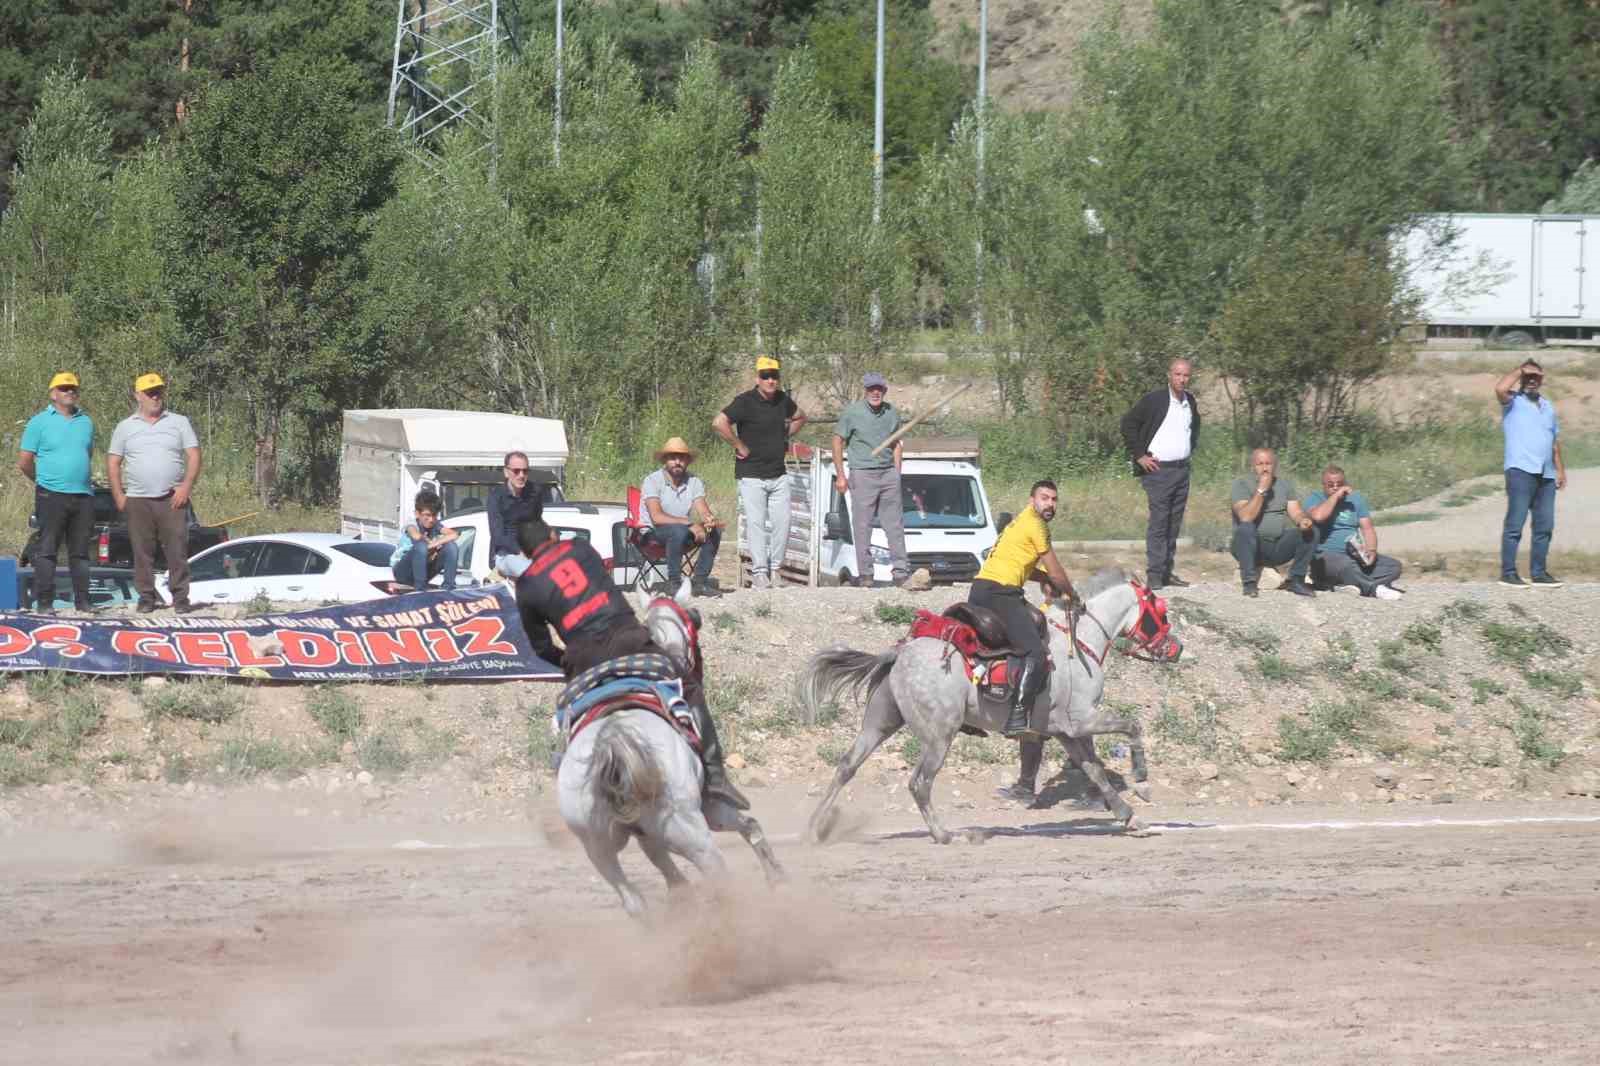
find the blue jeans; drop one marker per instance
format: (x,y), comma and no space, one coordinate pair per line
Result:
(416,568)
(675,539)
(511,566)
(1528,492)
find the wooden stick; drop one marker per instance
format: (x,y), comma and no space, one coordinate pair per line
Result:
(237,518)
(907,428)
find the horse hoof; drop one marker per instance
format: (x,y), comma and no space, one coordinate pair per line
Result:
(1143,792)
(942,837)
(1136,827)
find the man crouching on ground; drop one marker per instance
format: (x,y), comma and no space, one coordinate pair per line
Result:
(1347,541)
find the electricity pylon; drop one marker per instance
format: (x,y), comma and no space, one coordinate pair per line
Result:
(446,60)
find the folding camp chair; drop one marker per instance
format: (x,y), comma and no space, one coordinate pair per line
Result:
(649,555)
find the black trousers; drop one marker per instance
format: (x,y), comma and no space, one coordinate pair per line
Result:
(1007,601)
(1168,492)
(1253,551)
(68,517)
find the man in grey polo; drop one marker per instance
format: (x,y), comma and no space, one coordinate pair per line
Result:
(153,461)
(873,481)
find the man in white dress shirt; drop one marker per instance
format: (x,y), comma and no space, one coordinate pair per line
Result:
(1161,431)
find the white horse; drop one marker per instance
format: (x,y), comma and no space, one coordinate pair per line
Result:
(928,691)
(633,776)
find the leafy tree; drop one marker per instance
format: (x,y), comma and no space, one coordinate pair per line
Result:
(923,93)
(821,259)
(1523,74)
(1581,195)
(278,182)
(1224,134)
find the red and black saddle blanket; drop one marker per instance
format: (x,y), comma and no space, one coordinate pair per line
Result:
(989,669)
(645,682)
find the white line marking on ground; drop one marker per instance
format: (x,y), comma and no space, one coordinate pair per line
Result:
(1113,828)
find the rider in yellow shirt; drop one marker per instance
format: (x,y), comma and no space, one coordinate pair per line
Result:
(1023,552)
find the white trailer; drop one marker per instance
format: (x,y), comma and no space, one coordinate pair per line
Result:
(1509,274)
(389,455)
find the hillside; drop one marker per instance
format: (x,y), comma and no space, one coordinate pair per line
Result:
(1031,43)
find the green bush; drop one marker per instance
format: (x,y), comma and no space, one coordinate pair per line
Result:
(210,700)
(336,711)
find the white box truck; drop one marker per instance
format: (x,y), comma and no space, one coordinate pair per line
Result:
(389,455)
(950,527)
(1532,276)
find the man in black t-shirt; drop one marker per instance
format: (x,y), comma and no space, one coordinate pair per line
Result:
(566,587)
(759,424)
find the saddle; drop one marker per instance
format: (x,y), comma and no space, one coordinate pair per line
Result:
(979,634)
(646,682)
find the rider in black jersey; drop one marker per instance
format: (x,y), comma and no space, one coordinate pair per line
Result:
(567,587)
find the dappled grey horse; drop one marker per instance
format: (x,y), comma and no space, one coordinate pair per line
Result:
(634,776)
(928,691)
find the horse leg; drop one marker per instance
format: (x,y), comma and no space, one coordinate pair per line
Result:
(934,750)
(1096,772)
(1104,722)
(603,854)
(661,857)
(880,721)
(689,835)
(1080,752)
(722,817)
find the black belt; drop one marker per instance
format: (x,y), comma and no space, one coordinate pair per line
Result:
(1172,462)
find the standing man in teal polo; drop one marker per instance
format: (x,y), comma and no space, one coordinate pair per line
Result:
(153,460)
(873,481)
(56,447)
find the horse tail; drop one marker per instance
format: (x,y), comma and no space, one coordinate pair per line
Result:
(833,672)
(622,769)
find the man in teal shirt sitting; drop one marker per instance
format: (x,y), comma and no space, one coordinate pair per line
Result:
(1347,541)
(54,455)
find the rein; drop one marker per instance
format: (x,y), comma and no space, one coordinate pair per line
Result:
(1079,610)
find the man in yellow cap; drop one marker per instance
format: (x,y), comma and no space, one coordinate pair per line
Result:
(758,424)
(1023,553)
(153,460)
(57,444)
(675,509)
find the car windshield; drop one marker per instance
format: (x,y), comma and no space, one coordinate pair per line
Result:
(371,552)
(942,501)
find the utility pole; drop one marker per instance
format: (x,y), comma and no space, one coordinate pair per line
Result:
(561,26)
(877,174)
(983,134)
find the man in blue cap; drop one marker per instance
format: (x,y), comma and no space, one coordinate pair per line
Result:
(873,481)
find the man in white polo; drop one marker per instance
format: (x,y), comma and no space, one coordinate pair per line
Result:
(153,461)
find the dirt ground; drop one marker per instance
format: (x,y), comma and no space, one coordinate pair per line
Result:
(264,937)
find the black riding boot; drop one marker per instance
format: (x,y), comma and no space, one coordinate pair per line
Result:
(717,783)
(1027,774)
(1030,682)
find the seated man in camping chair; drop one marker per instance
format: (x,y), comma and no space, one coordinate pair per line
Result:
(677,514)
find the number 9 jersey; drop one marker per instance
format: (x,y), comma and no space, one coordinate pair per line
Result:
(568,588)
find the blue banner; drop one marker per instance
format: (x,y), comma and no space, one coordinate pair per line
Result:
(460,634)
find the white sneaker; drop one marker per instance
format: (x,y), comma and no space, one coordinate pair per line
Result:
(1384,592)
(760,582)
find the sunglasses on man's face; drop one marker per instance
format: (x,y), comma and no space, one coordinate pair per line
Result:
(515,470)
(769,375)
(66,388)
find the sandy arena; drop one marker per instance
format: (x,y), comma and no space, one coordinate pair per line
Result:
(1252,936)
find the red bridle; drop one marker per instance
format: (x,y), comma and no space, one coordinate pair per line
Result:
(691,632)
(1150,632)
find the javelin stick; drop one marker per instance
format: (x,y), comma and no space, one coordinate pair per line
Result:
(909,426)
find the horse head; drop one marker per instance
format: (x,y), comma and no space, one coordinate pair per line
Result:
(674,625)
(1119,605)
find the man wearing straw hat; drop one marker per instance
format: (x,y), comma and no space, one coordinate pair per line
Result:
(676,511)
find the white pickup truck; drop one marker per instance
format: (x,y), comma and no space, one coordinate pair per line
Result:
(950,527)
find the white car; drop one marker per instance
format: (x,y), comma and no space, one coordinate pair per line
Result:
(603,525)
(287,567)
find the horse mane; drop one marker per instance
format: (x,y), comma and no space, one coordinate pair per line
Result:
(1103,580)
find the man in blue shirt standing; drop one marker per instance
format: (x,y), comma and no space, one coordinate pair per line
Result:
(1534,471)
(1347,541)
(55,451)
